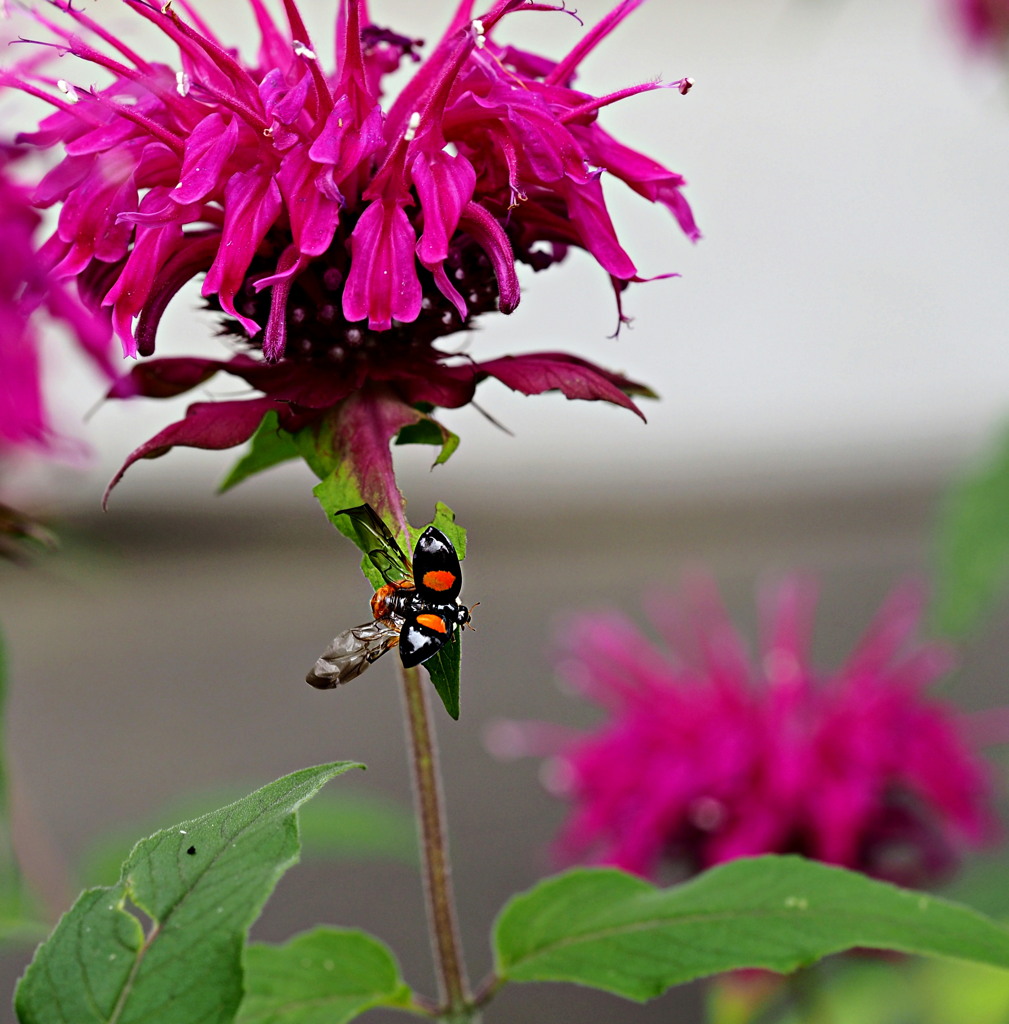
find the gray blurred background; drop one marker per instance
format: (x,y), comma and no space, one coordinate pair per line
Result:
(833,353)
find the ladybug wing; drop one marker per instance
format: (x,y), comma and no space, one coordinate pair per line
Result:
(423,635)
(436,569)
(377,540)
(350,653)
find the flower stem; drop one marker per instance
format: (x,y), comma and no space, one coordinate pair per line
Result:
(434,852)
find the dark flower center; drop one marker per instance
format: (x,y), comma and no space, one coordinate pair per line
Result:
(317,331)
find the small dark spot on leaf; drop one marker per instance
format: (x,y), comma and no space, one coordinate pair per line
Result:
(191,851)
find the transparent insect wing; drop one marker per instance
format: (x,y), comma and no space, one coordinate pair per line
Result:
(350,653)
(436,570)
(376,538)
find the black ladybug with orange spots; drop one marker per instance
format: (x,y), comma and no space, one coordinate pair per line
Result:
(417,609)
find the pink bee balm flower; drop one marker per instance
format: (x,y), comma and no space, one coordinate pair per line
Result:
(984,22)
(340,239)
(706,755)
(26,294)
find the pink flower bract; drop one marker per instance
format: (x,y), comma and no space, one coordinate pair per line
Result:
(706,754)
(339,239)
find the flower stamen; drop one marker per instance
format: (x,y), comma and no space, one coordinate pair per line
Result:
(68,90)
(411,127)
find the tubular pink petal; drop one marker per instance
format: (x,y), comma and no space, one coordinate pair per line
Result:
(89,219)
(449,290)
(444,186)
(321,100)
(489,235)
(382,284)
(587,209)
(204,51)
(274,48)
(252,201)
(193,257)
(275,338)
(313,215)
(281,100)
(645,176)
(585,112)
(208,149)
(132,289)
(350,135)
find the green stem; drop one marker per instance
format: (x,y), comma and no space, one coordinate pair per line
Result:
(441,912)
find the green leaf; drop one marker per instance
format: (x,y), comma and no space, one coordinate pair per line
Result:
(611,930)
(268,446)
(326,976)
(444,670)
(444,520)
(317,446)
(165,943)
(427,430)
(972,556)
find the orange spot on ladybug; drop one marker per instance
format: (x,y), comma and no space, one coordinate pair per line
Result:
(435,622)
(439,579)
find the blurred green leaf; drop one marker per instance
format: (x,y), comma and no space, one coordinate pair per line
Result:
(961,992)
(338,826)
(972,551)
(857,991)
(614,931)
(358,827)
(865,991)
(166,942)
(268,446)
(20,915)
(326,976)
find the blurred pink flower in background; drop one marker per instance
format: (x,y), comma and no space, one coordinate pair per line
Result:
(26,291)
(985,22)
(706,755)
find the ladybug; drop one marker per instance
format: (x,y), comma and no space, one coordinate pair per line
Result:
(417,609)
